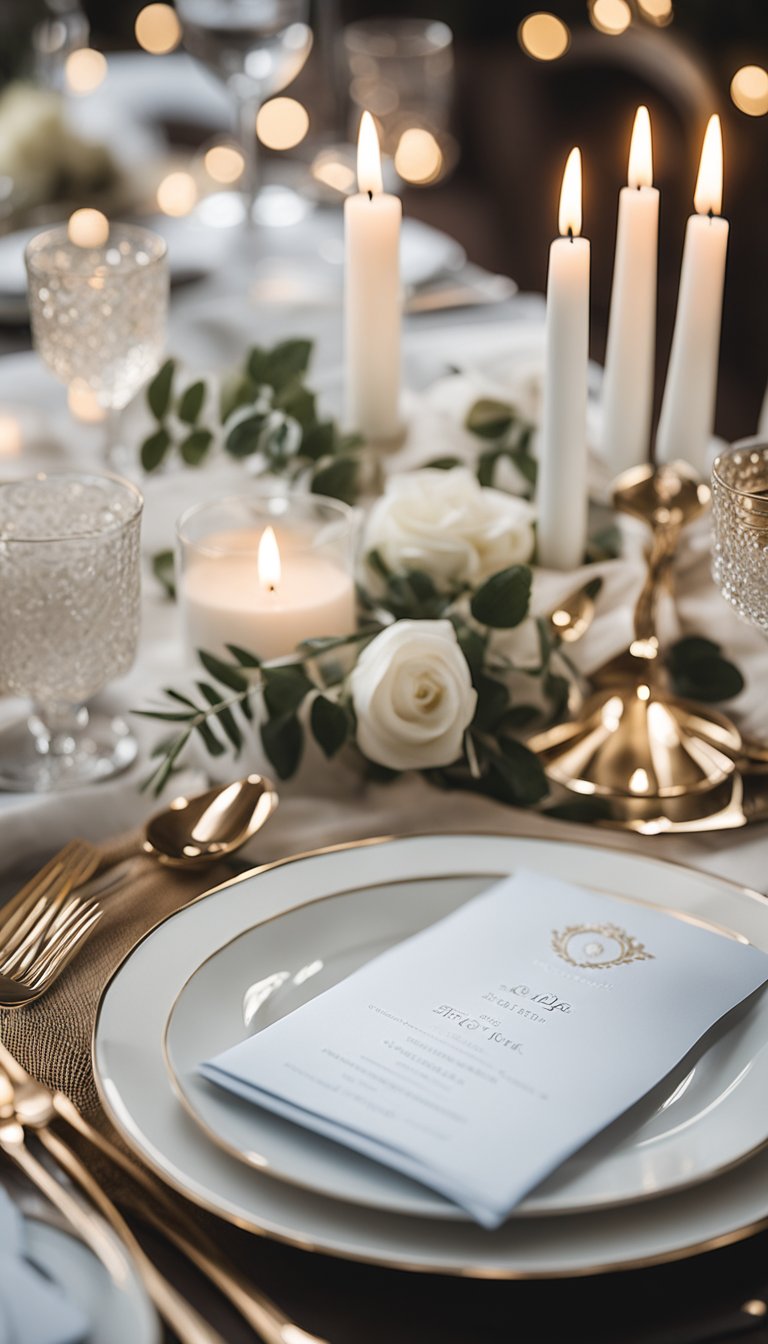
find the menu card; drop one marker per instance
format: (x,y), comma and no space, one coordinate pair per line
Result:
(477,1055)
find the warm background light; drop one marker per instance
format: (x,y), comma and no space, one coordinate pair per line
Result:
(610,16)
(11,438)
(157,29)
(88,228)
(418,157)
(333,172)
(569,214)
(85,69)
(368,157)
(708,196)
(749,90)
(658,11)
(640,173)
(177,194)
(544,37)
(282,123)
(224,163)
(83,404)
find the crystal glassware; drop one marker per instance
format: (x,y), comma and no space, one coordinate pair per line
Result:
(69,623)
(740,529)
(256,48)
(99,312)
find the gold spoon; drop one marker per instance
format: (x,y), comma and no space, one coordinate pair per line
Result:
(194,831)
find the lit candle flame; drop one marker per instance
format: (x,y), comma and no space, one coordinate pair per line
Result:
(368,157)
(708,196)
(268,560)
(640,172)
(569,216)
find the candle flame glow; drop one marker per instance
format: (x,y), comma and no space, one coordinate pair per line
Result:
(640,173)
(708,196)
(268,560)
(569,216)
(368,157)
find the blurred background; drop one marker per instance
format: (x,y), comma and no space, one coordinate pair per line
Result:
(477,102)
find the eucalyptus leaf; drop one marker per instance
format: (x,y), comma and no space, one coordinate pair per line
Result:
(244,438)
(191,403)
(223,672)
(299,403)
(521,772)
(285,688)
(283,742)
(213,744)
(243,657)
(319,440)
(329,723)
(337,478)
(195,447)
(159,390)
(489,419)
(154,449)
(237,390)
(503,600)
(286,362)
(224,715)
(492,701)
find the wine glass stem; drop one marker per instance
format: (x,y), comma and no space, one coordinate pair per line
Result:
(247,112)
(56,727)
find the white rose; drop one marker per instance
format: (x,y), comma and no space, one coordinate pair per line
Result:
(413,696)
(445,523)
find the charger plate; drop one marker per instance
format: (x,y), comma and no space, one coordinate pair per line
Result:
(129,1065)
(706,1116)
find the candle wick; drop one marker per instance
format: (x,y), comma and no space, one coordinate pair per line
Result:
(570,232)
(270,587)
(710,213)
(370,195)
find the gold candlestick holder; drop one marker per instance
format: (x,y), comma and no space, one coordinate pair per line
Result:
(658,762)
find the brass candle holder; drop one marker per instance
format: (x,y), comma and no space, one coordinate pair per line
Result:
(656,761)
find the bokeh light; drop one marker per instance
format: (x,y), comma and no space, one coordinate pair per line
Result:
(88,228)
(658,11)
(177,194)
(544,37)
(224,163)
(85,70)
(282,123)
(418,157)
(82,403)
(610,16)
(749,90)
(334,172)
(157,29)
(11,437)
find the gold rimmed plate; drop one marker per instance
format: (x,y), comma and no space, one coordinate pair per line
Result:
(130,1068)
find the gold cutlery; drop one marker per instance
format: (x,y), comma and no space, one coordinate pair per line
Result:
(45,930)
(36,1106)
(206,828)
(571,618)
(180,1316)
(69,868)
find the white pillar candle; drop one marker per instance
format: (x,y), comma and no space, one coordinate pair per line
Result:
(687,415)
(562,483)
(628,381)
(372,299)
(237,589)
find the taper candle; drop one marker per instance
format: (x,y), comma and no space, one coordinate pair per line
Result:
(688,408)
(372,299)
(628,380)
(562,482)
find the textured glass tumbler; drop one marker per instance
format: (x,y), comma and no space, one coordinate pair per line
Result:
(99,313)
(69,623)
(740,529)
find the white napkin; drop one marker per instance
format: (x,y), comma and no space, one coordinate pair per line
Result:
(32,1309)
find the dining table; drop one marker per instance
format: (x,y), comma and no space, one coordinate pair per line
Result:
(275,285)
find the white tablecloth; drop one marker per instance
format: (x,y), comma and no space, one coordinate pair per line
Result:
(212,323)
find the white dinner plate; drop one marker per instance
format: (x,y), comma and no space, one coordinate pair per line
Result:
(130,1069)
(706,1116)
(115,1315)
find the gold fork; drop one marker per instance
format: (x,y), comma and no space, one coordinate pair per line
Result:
(36,1106)
(45,924)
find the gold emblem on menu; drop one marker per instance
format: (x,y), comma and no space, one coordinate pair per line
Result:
(596,947)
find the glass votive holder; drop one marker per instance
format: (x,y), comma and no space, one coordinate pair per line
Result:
(740,529)
(98,302)
(69,623)
(265,572)
(401,70)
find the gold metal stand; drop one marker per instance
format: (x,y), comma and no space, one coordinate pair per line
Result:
(658,762)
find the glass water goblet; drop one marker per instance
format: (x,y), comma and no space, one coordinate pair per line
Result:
(99,313)
(740,529)
(69,623)
(256,48)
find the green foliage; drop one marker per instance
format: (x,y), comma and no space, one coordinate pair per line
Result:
(164,570)
(503,600)
(265,412)
(698,670)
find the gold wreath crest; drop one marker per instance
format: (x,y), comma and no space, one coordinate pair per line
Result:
(596,947)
